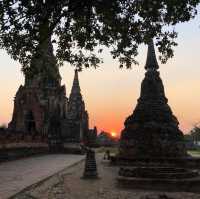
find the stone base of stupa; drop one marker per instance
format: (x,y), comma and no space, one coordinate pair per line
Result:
(159,179)
(187,162)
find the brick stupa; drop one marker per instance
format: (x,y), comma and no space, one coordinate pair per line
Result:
(152,130)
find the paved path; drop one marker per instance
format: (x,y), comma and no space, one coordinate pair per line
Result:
(19,174)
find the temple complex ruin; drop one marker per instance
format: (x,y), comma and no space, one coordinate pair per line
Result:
(42,100)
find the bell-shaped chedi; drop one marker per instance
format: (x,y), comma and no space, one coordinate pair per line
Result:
(152,130)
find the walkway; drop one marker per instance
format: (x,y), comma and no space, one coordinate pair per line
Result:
(17,175)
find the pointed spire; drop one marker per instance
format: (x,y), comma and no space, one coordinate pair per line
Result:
(75,86)
(76,104)
(151,63)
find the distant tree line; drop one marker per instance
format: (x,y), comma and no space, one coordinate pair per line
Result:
(194,136)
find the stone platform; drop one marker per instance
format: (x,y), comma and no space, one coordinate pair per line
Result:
(158,172)
(158,184)
(161,174)
(189,162)
(159,178)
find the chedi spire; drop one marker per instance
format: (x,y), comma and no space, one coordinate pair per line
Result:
(76,103)
(76,127)
(76,87)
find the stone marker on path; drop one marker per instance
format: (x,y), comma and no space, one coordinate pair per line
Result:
(90,171)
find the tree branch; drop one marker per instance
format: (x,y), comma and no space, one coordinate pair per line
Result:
(53,25)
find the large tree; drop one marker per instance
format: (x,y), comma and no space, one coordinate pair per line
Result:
(79,28)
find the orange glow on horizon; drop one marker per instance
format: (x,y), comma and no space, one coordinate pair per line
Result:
(113,134)
(111,95)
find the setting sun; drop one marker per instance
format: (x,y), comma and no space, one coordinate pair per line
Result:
(113,134)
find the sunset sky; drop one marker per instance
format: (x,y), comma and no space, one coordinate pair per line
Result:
(110,93)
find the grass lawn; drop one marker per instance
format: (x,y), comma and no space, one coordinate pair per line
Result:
(195,153)
(113,150)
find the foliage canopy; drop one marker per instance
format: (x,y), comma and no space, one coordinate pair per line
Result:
(195,133)
(79,28)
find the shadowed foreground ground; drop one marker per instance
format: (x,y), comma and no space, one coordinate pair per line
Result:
(19,174)
(68,185)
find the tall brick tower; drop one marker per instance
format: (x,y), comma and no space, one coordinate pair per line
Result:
(42,95)
(75,128)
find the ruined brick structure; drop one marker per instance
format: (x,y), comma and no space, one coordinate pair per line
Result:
(152,130)
(152,149)
(75,127)
(42,98)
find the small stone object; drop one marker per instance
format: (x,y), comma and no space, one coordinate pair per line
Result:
(90,171)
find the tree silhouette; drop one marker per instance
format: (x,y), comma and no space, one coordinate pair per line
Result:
(79,28)
(195,134)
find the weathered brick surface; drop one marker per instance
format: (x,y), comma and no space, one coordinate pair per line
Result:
(152,130)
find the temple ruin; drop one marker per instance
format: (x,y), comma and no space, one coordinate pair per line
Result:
(42,98)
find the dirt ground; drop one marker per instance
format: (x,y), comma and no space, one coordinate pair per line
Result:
(69,185)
